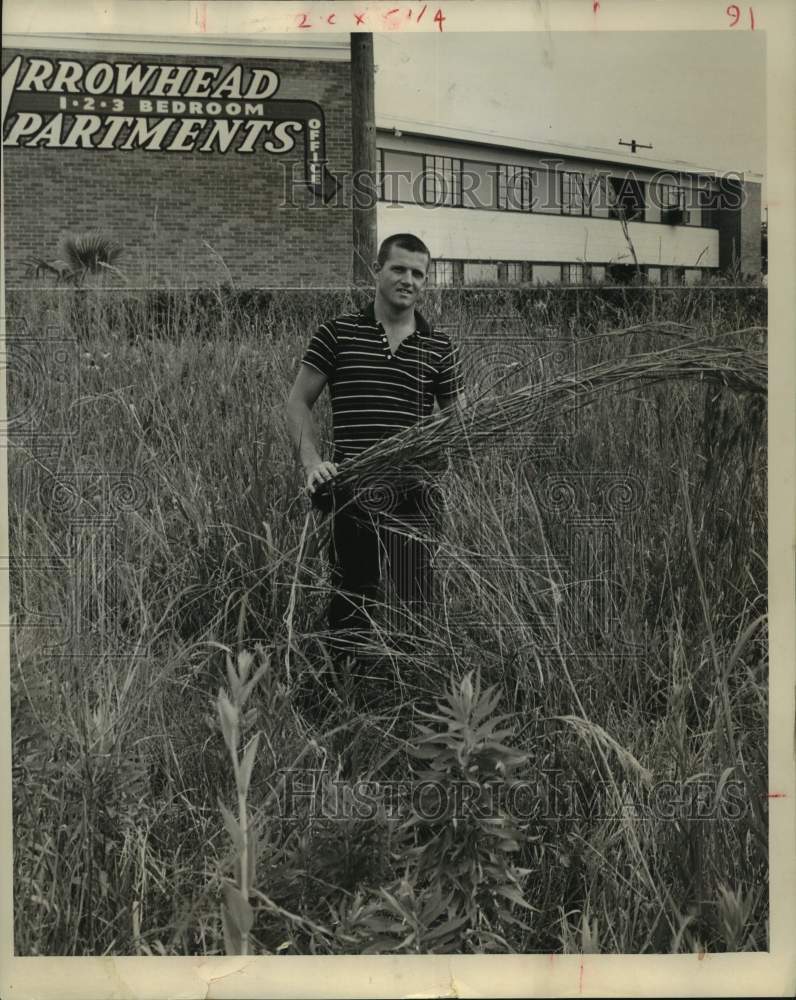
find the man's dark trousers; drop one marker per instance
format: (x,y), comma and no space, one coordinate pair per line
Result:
(381,554)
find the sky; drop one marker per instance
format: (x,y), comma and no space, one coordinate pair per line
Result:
(696,96)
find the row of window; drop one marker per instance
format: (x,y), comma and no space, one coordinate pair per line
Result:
(448,180)
(444,273)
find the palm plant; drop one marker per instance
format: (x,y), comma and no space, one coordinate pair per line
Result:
(89,253)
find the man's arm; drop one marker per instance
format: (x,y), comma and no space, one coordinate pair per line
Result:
(303,432)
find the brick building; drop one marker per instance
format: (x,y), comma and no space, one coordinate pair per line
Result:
(204,160)
(231,161)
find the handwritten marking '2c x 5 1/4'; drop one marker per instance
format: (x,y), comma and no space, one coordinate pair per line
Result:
(393,19)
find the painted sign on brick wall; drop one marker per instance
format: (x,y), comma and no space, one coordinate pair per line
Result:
(63,103)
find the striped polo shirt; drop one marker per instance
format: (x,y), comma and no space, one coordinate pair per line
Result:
(375,393)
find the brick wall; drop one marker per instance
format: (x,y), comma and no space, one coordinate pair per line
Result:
(190,218)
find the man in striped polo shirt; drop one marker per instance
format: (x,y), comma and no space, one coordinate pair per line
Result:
(384,367)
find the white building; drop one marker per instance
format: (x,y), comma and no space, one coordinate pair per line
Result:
(491,211)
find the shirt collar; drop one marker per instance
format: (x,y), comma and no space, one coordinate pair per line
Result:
(421,323)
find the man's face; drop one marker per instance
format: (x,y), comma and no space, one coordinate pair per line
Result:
(402,277)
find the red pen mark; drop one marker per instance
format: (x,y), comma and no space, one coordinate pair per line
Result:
(734,12)
(200,18)
(391,16)
(700,955)
(392,25)
(776,795)
(595,7)
(580,978)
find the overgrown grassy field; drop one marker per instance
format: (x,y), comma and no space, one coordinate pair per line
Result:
(620,665)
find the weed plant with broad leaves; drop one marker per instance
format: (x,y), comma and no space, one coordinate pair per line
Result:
(465,840)
(459,888)
(236,718)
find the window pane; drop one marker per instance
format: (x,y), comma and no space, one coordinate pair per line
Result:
(597,196)
(443,180)
(693,275)
(628,197)
(572,185)
(546,198)
(547,274)
(708,204)
(478,185)
(402,176)
(693,210)
(573,274)
(674,204)
(514,188)
(441,273)
(512,272)
(480,273)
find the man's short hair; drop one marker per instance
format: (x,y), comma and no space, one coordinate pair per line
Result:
(406,241)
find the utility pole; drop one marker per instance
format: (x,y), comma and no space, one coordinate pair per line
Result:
(363,156)
(634,145)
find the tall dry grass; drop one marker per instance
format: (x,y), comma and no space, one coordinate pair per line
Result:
(119,759)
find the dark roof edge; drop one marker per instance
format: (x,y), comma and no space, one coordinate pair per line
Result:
(672,167)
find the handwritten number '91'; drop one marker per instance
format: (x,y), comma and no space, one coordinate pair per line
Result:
(734,13)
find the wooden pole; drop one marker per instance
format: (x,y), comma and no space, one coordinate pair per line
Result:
(363,157)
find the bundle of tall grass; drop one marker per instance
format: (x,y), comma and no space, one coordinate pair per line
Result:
(483,422)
